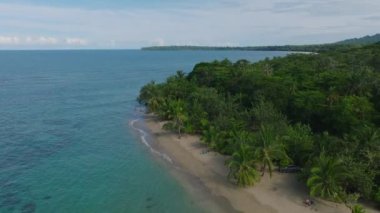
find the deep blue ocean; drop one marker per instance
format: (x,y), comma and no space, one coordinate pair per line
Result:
(65,140)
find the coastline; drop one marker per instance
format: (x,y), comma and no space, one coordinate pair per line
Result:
(203,173)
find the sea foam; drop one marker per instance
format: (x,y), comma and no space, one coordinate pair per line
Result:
(143,139)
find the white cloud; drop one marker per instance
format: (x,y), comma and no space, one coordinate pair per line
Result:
(76,41)
(9,40)
(238,22)
(45,40)
(41,41)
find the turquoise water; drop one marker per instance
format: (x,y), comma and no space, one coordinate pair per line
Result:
(65,142)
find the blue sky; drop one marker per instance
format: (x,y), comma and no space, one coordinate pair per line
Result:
(71,24)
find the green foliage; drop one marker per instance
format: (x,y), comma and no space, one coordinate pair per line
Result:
(178,115)
(352,112)
(149,95)
(318,111)
(377,196)
(242,166)
(363,40)
(362,177)
(326,178)
(269,148)
(299,143)
(358,209)
(211,137)
(342,45)
(367,141)
(265,113)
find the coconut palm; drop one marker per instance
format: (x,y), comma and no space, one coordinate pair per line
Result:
(242,166)
(177,114)
(326,178)
(269,148)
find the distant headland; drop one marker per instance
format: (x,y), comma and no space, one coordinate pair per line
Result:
(341,45)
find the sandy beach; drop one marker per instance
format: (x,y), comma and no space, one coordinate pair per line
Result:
(203,173)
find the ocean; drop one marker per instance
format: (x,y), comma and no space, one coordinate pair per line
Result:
(66,144)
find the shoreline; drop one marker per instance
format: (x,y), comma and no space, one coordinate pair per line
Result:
(204,175)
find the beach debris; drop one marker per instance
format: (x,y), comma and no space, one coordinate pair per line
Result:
(289,169)
(205,151)
(308,202)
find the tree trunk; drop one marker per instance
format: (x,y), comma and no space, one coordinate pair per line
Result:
(263,170)
(179,131)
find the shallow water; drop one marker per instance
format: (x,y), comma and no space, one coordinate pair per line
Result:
(65,140)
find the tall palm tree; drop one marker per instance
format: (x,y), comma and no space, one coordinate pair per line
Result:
(268,149)
(178,115)
(242,166)
(327,177)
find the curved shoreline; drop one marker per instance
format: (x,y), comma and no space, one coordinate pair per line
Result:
(203,174)
(199,193)
(144,140)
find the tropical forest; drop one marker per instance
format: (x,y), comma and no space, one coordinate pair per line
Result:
(317,111)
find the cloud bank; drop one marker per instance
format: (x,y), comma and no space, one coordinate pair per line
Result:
(41,40)
(220,23)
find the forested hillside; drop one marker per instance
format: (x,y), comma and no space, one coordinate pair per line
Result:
(340,45)
(362,41)
(320,112)
(295,48)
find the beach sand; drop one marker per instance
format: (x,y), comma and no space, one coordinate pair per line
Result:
(204,176)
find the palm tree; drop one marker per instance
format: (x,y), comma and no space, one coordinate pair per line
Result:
(358,209)
(147,92)
(368,144)
(269,148)
(210,136)
(154,103)
(242,166)
(326,178)
(178,115)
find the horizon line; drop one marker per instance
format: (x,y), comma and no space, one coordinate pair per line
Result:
(68,49)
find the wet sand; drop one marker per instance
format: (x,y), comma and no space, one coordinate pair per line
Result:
(203,173)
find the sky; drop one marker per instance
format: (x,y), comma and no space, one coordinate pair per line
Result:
(130,24)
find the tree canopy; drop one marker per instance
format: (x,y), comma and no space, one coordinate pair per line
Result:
(320,112)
